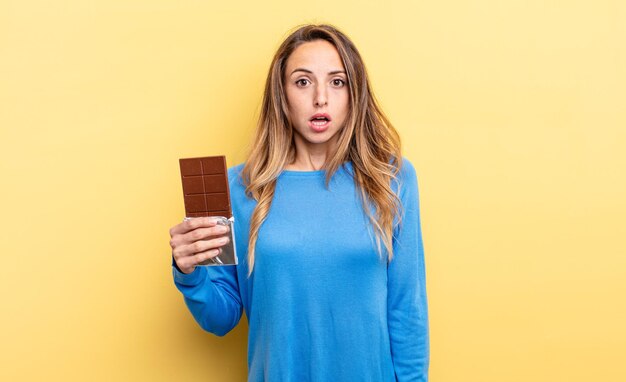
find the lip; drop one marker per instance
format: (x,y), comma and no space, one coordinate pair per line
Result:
(318,115)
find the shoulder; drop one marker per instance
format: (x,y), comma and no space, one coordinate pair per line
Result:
(406,178)
(235,171)
(407,170)
(235,181)
(242,203)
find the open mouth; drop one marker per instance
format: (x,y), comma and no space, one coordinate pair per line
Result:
(320,119)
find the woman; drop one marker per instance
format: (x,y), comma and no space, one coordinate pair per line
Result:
(331,263)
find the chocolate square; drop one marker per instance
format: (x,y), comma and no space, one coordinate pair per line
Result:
(193,185)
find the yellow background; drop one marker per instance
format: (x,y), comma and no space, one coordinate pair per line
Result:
(513,113)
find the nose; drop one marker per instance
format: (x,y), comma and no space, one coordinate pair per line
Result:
(321,97)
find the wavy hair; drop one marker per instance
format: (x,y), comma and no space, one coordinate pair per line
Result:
(367,139)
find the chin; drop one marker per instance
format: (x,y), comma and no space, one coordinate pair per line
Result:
(319,139)
(312,138)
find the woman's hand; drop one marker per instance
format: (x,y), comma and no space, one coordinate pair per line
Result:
(196,240)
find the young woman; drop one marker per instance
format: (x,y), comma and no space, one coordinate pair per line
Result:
(331,262)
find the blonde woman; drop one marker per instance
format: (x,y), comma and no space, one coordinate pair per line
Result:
(331,262)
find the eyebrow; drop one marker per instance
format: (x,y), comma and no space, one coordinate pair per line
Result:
(308,71)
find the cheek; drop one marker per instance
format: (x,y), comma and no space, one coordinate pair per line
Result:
(300,105)
(343,96)
(344,103)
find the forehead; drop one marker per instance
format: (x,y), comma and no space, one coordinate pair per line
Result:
(318,55)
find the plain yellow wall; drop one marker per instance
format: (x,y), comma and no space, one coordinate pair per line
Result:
(513,113)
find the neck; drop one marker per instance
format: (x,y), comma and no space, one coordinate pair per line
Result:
(310,156)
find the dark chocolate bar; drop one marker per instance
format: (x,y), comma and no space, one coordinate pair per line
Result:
(205,186)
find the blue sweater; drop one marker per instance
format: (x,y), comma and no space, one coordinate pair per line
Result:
(321,304)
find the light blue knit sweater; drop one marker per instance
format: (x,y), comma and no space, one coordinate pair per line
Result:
(321,304)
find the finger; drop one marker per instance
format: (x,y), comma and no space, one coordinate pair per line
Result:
(198,247)
(204,233)
(188,263)
(192,223)
(198,234)
(204,256)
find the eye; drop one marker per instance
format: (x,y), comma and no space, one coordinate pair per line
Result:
(339,82)
(302,82)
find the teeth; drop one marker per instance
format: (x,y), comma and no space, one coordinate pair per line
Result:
(319,122)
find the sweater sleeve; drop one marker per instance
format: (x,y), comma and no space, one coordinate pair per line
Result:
(407,310)
(212,296)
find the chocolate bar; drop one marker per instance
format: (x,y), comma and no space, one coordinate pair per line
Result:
(206,193)
(205,186)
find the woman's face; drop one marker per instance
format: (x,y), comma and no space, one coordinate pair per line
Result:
(317,94)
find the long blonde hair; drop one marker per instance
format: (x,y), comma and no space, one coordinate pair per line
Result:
(367,139)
